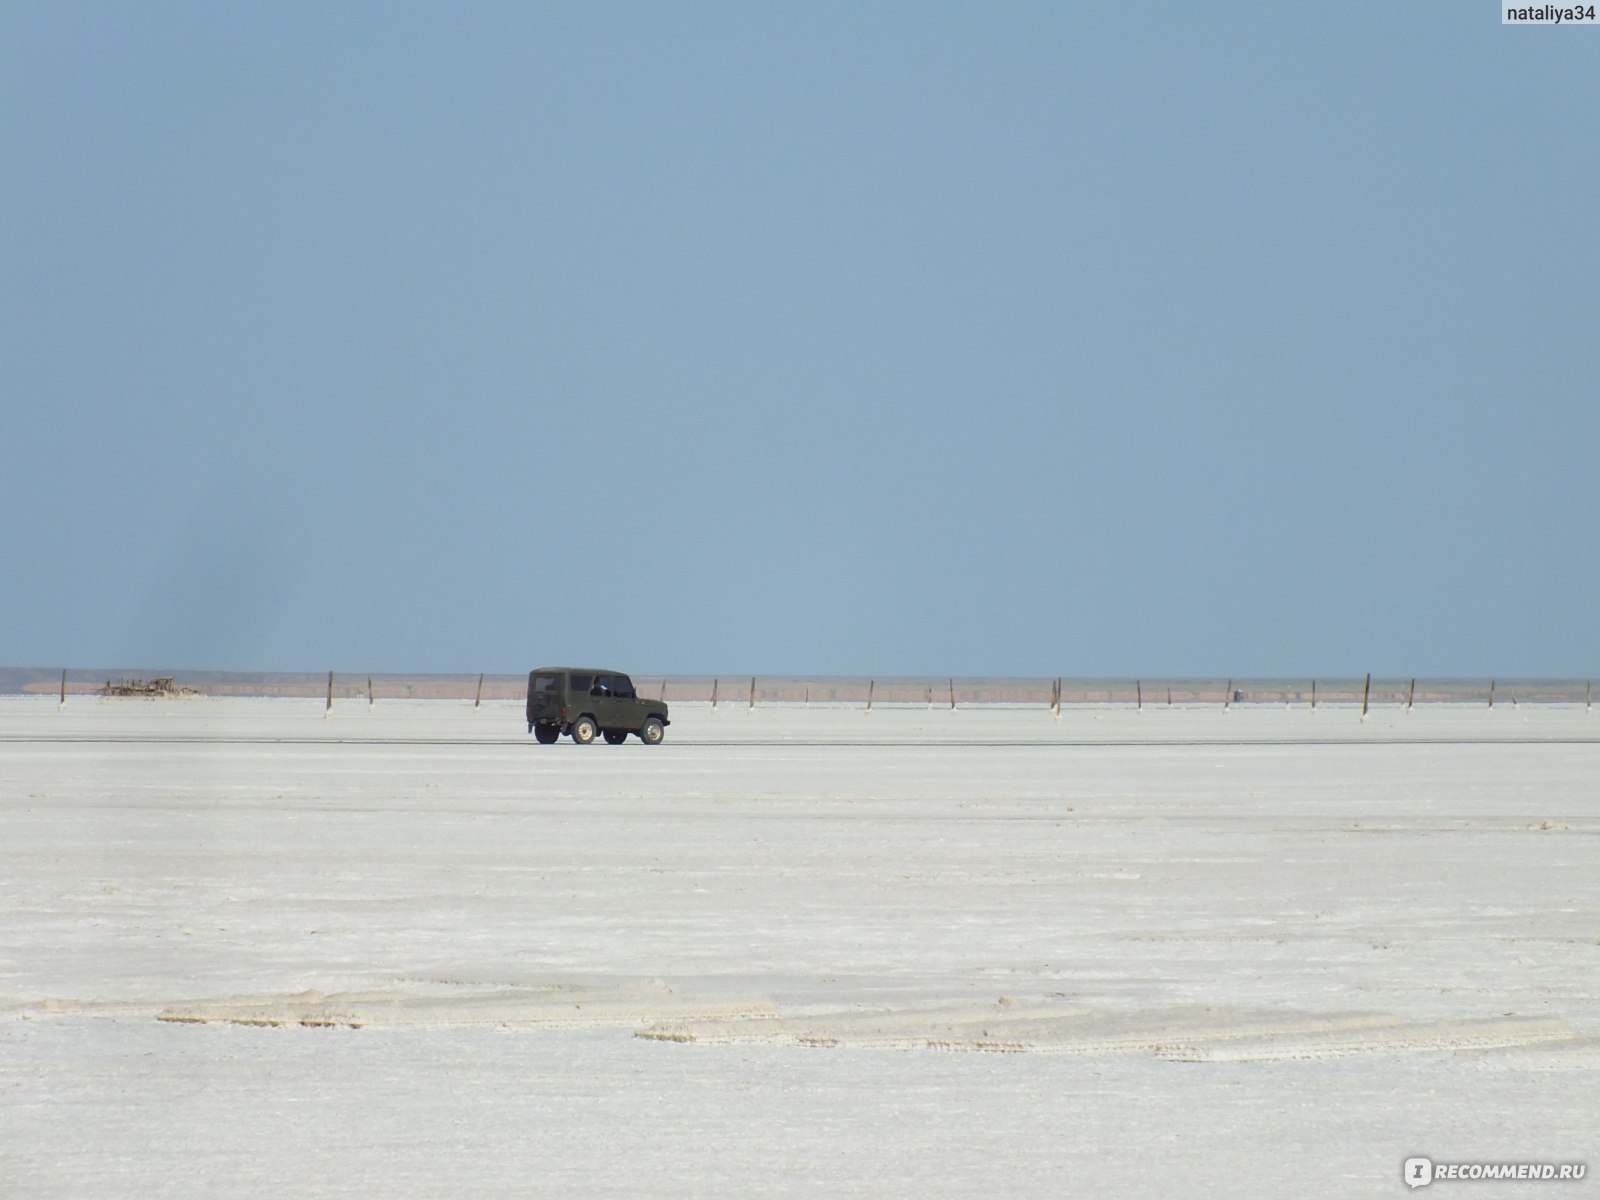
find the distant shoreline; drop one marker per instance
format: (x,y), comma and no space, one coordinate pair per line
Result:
(863,689)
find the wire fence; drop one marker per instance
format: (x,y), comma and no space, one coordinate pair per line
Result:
(860,691)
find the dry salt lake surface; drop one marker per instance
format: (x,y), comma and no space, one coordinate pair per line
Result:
(251,949)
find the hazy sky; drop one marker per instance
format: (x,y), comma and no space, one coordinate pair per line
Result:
(1019,338)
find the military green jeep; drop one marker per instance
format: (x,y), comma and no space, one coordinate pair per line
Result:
(585,701)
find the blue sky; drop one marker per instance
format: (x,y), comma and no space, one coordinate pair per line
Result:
(835,338)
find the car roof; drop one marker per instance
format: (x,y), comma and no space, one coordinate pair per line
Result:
(577,671)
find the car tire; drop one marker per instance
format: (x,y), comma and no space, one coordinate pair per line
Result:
(652,731)
(615,737)
(583,730)
(546,733)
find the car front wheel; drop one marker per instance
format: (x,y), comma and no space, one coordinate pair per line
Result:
(652,732)
(583,730)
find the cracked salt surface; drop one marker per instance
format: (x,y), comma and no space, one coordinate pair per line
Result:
(251,949)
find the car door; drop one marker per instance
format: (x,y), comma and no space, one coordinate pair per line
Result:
(626,703)
(605,703)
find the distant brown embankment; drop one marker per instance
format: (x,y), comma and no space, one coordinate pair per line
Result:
(744,689)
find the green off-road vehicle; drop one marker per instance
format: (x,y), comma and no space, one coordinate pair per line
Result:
(585,701)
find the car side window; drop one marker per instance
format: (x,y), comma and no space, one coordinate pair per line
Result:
(582,683)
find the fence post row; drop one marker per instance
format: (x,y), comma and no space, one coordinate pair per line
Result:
(1056,691)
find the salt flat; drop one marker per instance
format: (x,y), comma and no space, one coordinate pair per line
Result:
(250,948)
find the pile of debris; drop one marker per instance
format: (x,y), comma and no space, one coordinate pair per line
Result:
(157,689)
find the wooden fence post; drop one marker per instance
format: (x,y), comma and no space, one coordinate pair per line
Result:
(330,693)
(1138,696)
(752,691)
(714,692)
(1366,691)
(478,699)
(1227,696)
(871,686)
(1411,694)
(1313,695)
(952,695)
(371,699)
(1491,693)
(63,687)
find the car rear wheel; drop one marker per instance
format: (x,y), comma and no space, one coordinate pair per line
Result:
(583,730)
(615,737)
(546,733)
(652,732)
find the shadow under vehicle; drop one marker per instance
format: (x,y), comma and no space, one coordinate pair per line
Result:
(589,701)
